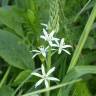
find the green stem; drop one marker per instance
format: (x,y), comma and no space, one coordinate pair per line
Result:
(49,59)
(52,88)
(13,94)
(48,67)
(5,76)
(83,38)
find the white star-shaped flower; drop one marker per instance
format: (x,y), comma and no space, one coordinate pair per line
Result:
(49,37)
(41,50)
(62,47)
(45,77)
(45,25)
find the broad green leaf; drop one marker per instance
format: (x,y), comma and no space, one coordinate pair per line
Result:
(74,74)
(88,58)
(6,91)
(83,38)
(22,76)
(12,21)
(81,89)
(13,52)
(90,43)
(5,2)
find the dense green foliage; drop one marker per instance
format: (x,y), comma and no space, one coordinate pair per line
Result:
(20,30)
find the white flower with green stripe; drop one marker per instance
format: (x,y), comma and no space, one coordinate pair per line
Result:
(45,77)
(49,37)
(62,46)
(41,50)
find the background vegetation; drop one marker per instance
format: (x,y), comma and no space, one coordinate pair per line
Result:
(20,30)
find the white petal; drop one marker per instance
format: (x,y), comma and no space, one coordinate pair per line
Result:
(45,33)
(50,71)
(45,25)
(51,34)
(66,51)
(62,42)
(39,82)
(35,55)
(46,83)
(50,43)
(54,45)
(59,51)
(67,46)
(35,51)
(44,54)
(36,74)
(46,48)
(43,37)
(55,39)
(53,49)
(43,70)
(36,70)
(53,79)
(41,48)
(57,43)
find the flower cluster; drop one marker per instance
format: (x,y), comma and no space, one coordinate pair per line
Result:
(55,44)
